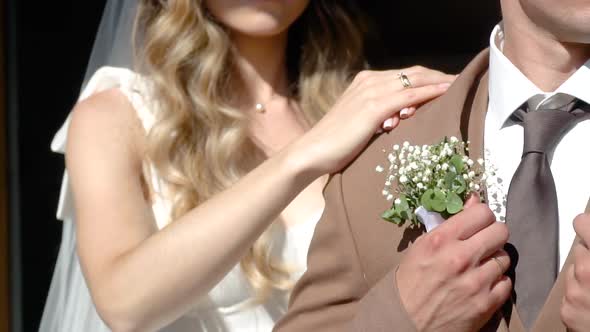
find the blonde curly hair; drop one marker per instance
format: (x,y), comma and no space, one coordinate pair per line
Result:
(200,145)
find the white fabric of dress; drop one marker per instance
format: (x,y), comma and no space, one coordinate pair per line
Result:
(225,308)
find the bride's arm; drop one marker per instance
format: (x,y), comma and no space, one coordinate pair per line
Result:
(138,275)
(143,279)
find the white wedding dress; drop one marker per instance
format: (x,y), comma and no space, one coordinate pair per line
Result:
(225,308)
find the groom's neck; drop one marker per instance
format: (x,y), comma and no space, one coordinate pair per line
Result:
(537,53)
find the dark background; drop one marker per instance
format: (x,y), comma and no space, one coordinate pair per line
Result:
(49,45)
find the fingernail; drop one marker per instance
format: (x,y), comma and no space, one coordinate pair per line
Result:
(404,113)
(388,124)
(444,85)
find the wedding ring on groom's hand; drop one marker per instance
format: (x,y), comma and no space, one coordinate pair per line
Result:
(499,265)
(405,80)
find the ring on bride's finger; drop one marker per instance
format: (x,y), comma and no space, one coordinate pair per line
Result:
(405,80)
(499,265)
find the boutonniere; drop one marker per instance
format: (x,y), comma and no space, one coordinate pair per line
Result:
(432,182)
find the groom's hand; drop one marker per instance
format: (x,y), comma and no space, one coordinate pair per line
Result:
(575,308)
(452,279)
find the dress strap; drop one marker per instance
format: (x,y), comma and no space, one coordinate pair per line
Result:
(134,87)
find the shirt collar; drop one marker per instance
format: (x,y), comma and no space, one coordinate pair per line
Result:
(509,88)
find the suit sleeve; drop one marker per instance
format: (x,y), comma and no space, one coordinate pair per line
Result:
(333,294)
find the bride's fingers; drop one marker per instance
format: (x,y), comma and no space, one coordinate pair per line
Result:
(387,124)
(411,71)
(429,77)
(417,77)
(393,103)
(420,76)
(391,123)
(407,112)
(382,91)
(388,86)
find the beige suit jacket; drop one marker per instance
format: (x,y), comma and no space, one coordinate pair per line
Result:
(349,284)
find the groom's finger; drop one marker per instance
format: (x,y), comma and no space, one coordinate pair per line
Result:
(582,227)
(581,263)
(472,200)
(492,268)
(487,241)
(500,292)
(470,221)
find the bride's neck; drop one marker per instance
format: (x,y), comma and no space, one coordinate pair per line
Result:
(261,62)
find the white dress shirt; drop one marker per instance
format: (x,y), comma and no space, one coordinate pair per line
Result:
(509,88)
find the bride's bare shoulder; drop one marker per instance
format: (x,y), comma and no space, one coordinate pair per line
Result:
(107,122)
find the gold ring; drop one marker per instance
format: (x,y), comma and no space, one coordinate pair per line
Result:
(499,265)
(405,80)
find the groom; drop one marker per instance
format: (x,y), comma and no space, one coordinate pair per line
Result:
(365,274)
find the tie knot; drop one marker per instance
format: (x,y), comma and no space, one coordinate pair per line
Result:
(543,129)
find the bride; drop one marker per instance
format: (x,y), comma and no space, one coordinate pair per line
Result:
(194,183)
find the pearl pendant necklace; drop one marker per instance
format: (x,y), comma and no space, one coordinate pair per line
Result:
(260,108)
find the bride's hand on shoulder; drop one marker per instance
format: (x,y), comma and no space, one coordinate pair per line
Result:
(373,101)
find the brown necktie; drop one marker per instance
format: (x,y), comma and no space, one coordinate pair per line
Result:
(531,210)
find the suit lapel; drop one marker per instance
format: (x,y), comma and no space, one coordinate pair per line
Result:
(473,118)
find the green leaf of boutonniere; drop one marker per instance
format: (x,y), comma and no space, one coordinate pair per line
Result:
(434,200)
(449,179)
(426,199)
(454,204)
(459,186)
(404,205)
(391,216)
(439,201)
(457,162)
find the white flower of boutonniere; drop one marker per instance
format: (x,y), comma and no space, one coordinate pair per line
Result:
(433,182)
